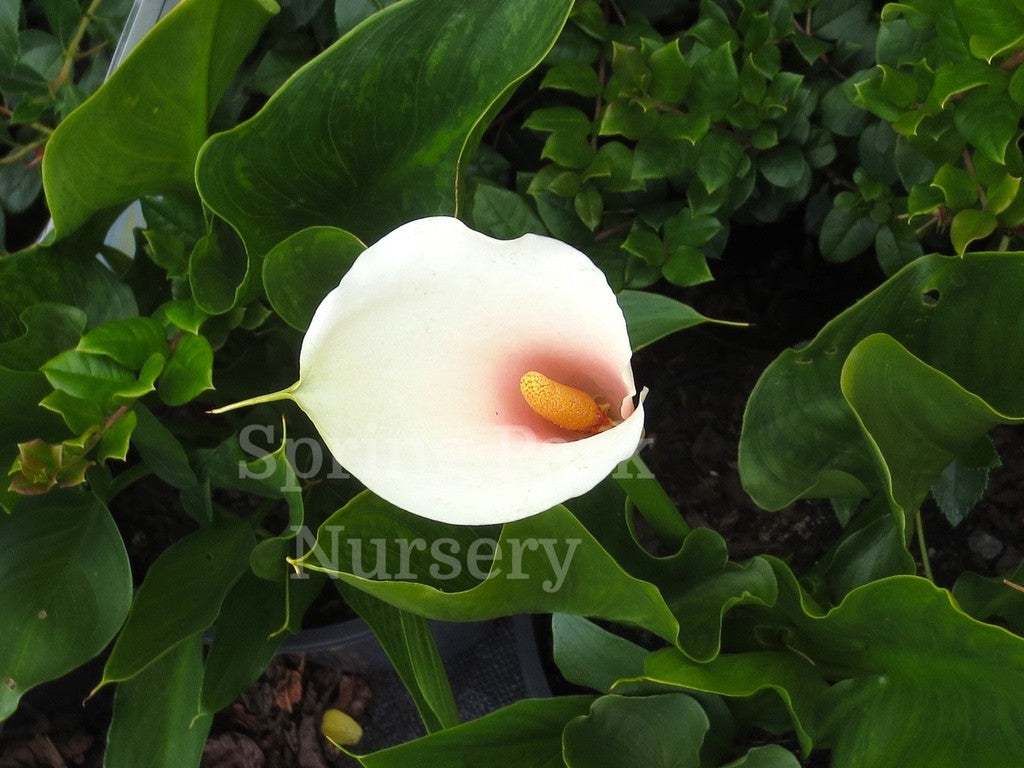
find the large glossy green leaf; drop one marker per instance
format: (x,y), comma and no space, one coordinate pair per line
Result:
(141,131)
(154,722)
(302,269)
(407,640)
(792,678)
(588,655)
(961,319)
(916,418)
(922,683)
(698,581)
(49,329)
(527,734)
(181,596)
(374,131)
(547,563)
(663,731)
(67,586)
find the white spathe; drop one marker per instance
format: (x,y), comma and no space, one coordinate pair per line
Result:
(410,371)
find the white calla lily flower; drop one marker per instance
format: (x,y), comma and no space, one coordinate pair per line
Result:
(471,380)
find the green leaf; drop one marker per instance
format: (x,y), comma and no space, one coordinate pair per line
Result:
(244,465)
(959,188)
(161,451)
(155,106)
(573,76)
(183,314)
(986,598)
(887,394)
(840,114)
(503,214)
(685,266)
(670,74)
(653,316)
(969,225)
(895,247)
(218,270)
(568,149)
(98,378)
(254,620)
(646,245)
(810,48)
(366,163)
(846,234)
(180,596)
(67,588)
(904,642)
(960,485)
(10,10)
(349,13)
(20,395)
(49,329)
(189,372)
(720,160)
(154,718)
(716,83)
(590,656)
(589,207)
(410,645)
(41,274)
(130,342)
(768,756)
(561,118)
(460,579)
(1002,193)
(895,394)
(994,26)
(19,186)
(663,731)
(783,166)
(651,500)
(325,252)
(988,122)
(794,679)
(689,228)
(115,441)
(494,739)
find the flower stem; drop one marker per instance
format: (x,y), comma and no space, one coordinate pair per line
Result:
(922,547)
(72,50)
(273,397)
